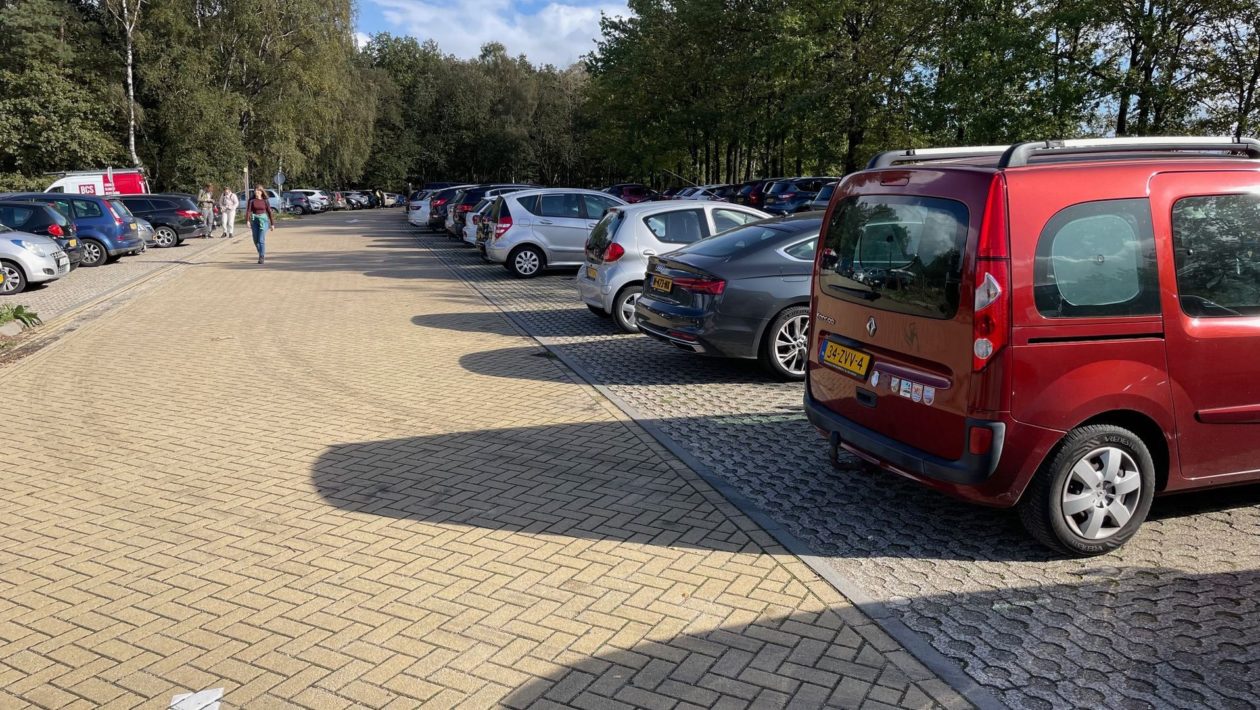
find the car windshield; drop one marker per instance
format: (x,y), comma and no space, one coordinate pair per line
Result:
(781,187)
(741,239)
(120,208)
(826,192)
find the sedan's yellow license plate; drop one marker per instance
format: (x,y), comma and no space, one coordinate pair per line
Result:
(851,361)
(591,273)
(74,243)
(660,283)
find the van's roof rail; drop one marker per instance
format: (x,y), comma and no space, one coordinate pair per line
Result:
(916,155)
(1019,154)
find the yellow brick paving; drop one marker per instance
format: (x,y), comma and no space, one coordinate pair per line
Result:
(270,480)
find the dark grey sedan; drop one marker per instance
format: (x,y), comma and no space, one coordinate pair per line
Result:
(743,293)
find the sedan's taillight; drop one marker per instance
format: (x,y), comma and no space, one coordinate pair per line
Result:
(55,230)
(707,286)
(188,214)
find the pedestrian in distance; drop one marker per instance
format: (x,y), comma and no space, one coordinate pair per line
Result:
(205,202)
(228,204)
(261,220)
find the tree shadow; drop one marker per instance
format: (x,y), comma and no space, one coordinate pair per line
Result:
(1146,651)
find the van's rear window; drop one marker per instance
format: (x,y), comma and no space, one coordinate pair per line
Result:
(900,253)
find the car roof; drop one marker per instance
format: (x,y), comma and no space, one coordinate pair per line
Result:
(553,190)
(643,209)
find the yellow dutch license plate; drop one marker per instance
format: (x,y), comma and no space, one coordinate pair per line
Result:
(591,273)
(851,361)
(74,243)
(660,283)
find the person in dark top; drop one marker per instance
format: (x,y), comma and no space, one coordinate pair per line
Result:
(261,219)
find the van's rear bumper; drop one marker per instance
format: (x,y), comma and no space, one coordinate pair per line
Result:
(969,471)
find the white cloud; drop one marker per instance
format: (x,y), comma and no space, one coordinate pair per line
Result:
(361,39)
(556,33)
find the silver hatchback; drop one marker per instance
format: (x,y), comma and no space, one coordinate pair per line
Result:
(532,230)
(618,250)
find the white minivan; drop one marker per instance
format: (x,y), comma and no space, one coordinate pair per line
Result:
(619,247)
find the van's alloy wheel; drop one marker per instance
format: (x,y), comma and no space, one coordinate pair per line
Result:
(94,253)
(786,348)
(14,279)
(1093,494)
(525,262)
(623,308)
(165,237)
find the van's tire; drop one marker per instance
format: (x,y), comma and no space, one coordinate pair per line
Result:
(14,279)
(623,307)
(94,253)
(525,262)
(790,325)
(1107,471)
(598,311)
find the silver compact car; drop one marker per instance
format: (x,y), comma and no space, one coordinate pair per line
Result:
(29,258)
(532,230)
(619,247)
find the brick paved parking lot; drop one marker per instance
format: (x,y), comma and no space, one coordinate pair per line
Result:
(84,285)
(345,481)
(1172,620)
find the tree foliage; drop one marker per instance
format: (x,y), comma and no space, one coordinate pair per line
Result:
(695,90)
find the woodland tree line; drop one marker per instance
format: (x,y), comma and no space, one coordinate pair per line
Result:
(709,90)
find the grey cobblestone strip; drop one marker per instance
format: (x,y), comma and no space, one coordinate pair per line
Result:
(1170,621)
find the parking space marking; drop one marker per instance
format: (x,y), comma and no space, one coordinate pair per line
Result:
(200,700)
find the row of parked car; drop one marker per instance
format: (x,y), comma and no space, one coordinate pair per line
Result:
(314,201)
(1063,327)
(774,195)
(46,235)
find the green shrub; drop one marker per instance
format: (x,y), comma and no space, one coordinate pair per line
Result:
(22,314)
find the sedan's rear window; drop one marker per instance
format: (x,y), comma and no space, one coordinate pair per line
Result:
(604,232)
(896,253)
(736,241)
(781,187)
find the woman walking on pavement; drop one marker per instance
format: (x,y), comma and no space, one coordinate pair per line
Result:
(228,203)
(261,219)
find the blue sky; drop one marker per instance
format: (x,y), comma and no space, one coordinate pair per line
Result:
(547,31)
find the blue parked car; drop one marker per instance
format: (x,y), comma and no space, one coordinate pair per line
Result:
(107,230)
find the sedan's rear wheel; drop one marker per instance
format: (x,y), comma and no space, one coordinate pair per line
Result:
(1092,496)
(786,347)
(623,308)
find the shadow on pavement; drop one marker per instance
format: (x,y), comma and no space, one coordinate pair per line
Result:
(669,367)
(540,325)
(1152,650)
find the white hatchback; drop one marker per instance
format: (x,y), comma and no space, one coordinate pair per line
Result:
(619,247)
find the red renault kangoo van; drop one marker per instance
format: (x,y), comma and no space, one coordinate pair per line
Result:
(1069,327)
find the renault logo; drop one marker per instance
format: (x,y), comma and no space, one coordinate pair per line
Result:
(871,327)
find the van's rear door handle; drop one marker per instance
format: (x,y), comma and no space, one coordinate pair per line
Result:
(866,398)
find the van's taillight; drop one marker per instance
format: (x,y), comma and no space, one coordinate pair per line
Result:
(991,324)
(502,226)
(613,252)
(54,230)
